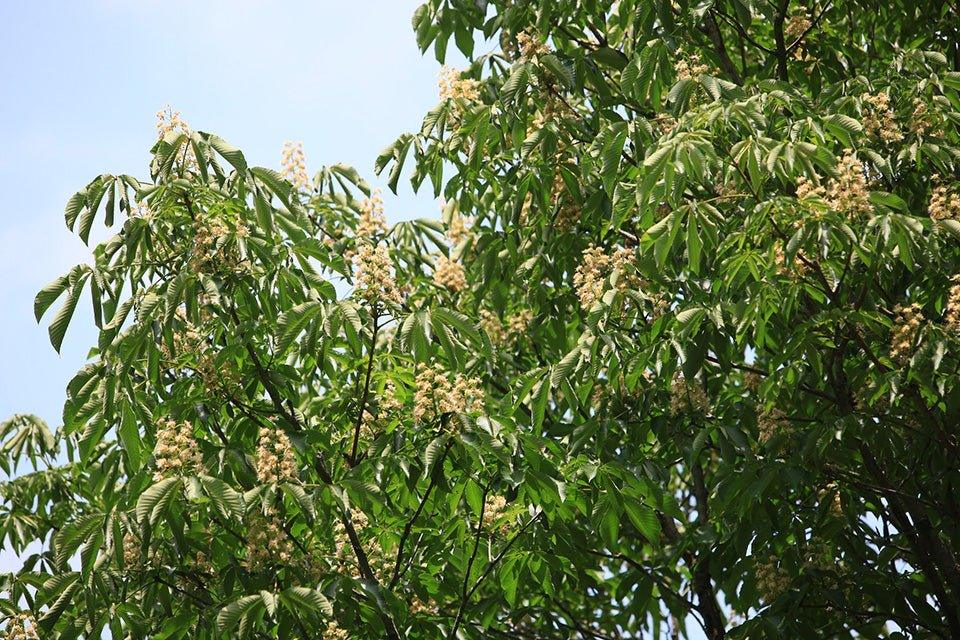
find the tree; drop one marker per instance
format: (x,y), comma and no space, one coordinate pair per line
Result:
(681,357)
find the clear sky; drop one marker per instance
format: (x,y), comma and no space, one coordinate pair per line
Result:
(82,82)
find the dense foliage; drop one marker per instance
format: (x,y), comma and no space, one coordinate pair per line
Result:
(680,359)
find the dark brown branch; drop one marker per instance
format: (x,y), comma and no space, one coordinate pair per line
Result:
(781,47)
(702,580)
(473,558)
(408,527)
(486,572)
(712,30)
(366,390)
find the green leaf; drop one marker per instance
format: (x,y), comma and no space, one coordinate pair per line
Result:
(432,452)
(74,205)
(644,519)
(299,599)
(228,501)
(563,73)
(610,57)
(58,327)
(48,295)
(303,499)
(541,393)
(232,154)
(155,499)
(694,244)
(230,615)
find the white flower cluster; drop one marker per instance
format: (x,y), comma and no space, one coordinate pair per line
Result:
(951,315)
(530,46)
(293,163)
(492,326)
(176,452)
(879,120)
(906,327)
(170,121)
(334,631)
(453,86)
(372,221)
(796,26)
(419,607)
(131,550)
(493,511)
(923,121)
(771,423)
(212,249)
(772,580)
(267,542)
(458,229)
(449,274)
(373,274)
(516,325)
(276,460)
(848,193)
(21,626)
(590,278)
(567,211)
(944,203)
(436,394)
(690,67)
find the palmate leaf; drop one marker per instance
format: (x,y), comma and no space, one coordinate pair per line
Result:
(230,615)
(25,435)
(301,599)
(71,537)
(62,588)
(152,502)
(228,501)
(72,284)
(303,499)
(292,323)
(229,152)
(48,295)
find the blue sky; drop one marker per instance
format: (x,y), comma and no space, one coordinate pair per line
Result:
(83,81)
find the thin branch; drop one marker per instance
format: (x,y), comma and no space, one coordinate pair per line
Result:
(486,572)
(473,558)
(408,527)
(366,390)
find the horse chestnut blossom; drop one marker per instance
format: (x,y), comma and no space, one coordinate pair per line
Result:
(848,193)
(944,203)
(951,314)
(294,165)
(594,271)
(276,460)
(687,397)
(907,320)
(176,452)
(438,392)
(21,626)
(373,275)
(449,274)
(372,222)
